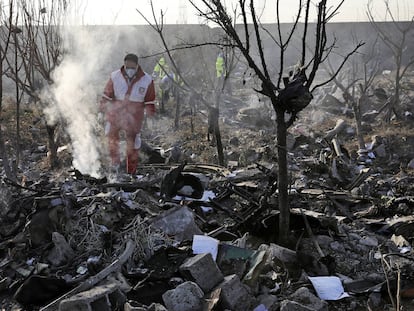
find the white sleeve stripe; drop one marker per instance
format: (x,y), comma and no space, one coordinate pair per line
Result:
(150,103)
(106,97)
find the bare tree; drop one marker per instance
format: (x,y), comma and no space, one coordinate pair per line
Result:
(356,82)
(395,36)
(6,18)
(15,67)
(294,94)
(38,51)
(186,81)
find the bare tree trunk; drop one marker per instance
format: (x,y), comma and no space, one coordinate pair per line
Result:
(177,108)
(213,128)
(220,152)
(163,101)
(396,41)
(192,113)
(54,162)
(38,51)
(357,114)
(3,152)
(3,155)
(283,197)
(215,112)
(18,97)
(396,100)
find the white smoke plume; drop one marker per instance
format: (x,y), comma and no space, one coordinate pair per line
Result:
(73,97)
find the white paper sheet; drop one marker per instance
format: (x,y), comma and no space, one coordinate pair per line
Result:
(328,287)
(204,244)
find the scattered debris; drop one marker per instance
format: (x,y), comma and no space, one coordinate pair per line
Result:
(206,235)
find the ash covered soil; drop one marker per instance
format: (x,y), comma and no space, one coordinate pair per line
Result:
(351,216)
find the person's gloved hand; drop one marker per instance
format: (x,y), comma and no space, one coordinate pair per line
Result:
(150,110)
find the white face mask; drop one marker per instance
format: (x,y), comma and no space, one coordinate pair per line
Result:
(130,72)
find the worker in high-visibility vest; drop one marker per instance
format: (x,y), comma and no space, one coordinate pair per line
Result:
(160,71)
(221,73)
(220,66)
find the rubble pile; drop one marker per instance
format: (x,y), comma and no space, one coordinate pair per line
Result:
(154,242)
(185,235)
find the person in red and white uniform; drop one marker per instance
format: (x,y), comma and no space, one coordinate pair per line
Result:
(129,94)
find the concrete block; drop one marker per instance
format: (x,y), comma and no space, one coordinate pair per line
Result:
(203,270)
(100,298)
(235,295)
(177,221)
(61,253)
(185,297)
(305,297)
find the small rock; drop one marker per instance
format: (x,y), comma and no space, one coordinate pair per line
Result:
(185,297)
(369,241)
(235,295)
(283,254)
(380,151)
(103,297)
(119,279)
(362,249)
(177,221)
(354,236)
(234,141)
(304,296)
(41,149)
(324,240)
(61,252)
(410,164)
(203,270)
(375,302)
(337,247)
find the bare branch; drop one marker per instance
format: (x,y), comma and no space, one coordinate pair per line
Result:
(318,41)
(406,67)
(340,67)
(245,24)
(285,44)
(219,12)
(259,40)
(305,33)
(335,11)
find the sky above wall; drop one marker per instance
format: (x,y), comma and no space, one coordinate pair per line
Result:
(124,12)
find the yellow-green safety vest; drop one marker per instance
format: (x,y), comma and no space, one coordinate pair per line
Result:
(161,68)
(220,70)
